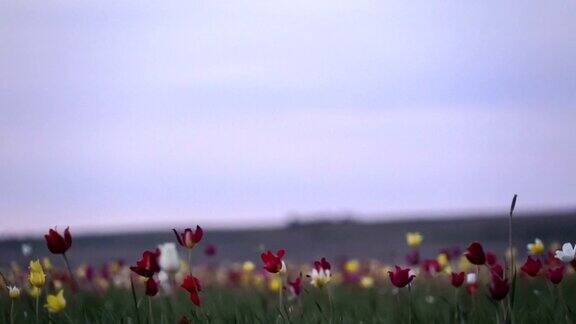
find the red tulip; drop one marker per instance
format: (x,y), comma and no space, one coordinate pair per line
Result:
(192,285)
(58,244)
(472,288)
(413,258)
(475,254)
(210,250)
(296,285)
(400,277)
(189,238)
(151,287)
(491,258)
(499,287)
(556,274)
(322,264)
(497,270)
(532,266)
(431,266)
(273,263)
(458,279)
(148,266)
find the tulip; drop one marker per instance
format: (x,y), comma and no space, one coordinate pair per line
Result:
(413,257)
(431,266)
(491,258)
(475,254)
(320,275)
(443,260)
(248,266)
(556,274)
(148,266)
(366,282)
(168,259)
(535,248)
(13,292)
(35,292)
(210,250)
(471,283)
(192,285)
(296,286)
(532,266)
(566,255)
(151,287)
(56,303)
(56,243)
(189,238)
(400,277)
(414,239)
(497,270)
(26,249)
(499,288)
(273,263)
(457,279)
(37,277)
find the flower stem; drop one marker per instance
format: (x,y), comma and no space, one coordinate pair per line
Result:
(409,303)
(189,261)
(12,311)
(37,303)
(150,314)
(331,304)
(72,278)
(135,301)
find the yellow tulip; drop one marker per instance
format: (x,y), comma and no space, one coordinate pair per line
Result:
(275,284)
(55,303)
(352,266)
(414,239)
(248,266)
(47,263)
(37,277)
(367,282)
(442,259)
(34,292)
(535,248)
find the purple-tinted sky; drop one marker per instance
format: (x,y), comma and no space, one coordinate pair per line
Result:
(225,113)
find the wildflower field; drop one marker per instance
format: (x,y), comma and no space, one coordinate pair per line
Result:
(468,284)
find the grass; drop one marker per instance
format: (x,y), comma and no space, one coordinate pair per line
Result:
(433,302)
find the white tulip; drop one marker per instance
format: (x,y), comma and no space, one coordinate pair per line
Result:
(26,249)
(169,260)
(566,255)
(320,277)
(471,278)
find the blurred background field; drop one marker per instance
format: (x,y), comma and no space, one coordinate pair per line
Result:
(309,240)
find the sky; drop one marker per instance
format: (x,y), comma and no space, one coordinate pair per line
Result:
(129,115)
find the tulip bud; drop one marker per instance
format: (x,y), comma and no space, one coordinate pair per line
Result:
(13,292)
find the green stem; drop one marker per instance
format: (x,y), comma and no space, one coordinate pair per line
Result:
(37,303)
(135,300)
(12,311)
(150,310)
(68,317)
(190,261)
(409,303)
(74,282)
(331,304)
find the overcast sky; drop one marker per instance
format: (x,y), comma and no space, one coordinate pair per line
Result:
(238,113)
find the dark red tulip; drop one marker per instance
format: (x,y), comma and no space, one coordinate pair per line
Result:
(475,254)
(458,279)
(151,287)
(413,257)
(497,270)
(532,266)
(273,263)
(189,238)
(296,285)
(148,266)
(210,250)
(499,287)
(556,274)
(491,258)
(400,277)
(56,243)
(192,285)
(322,264)
(431,266)
(472,288)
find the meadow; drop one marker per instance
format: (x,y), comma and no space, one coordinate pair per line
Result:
(456,284)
